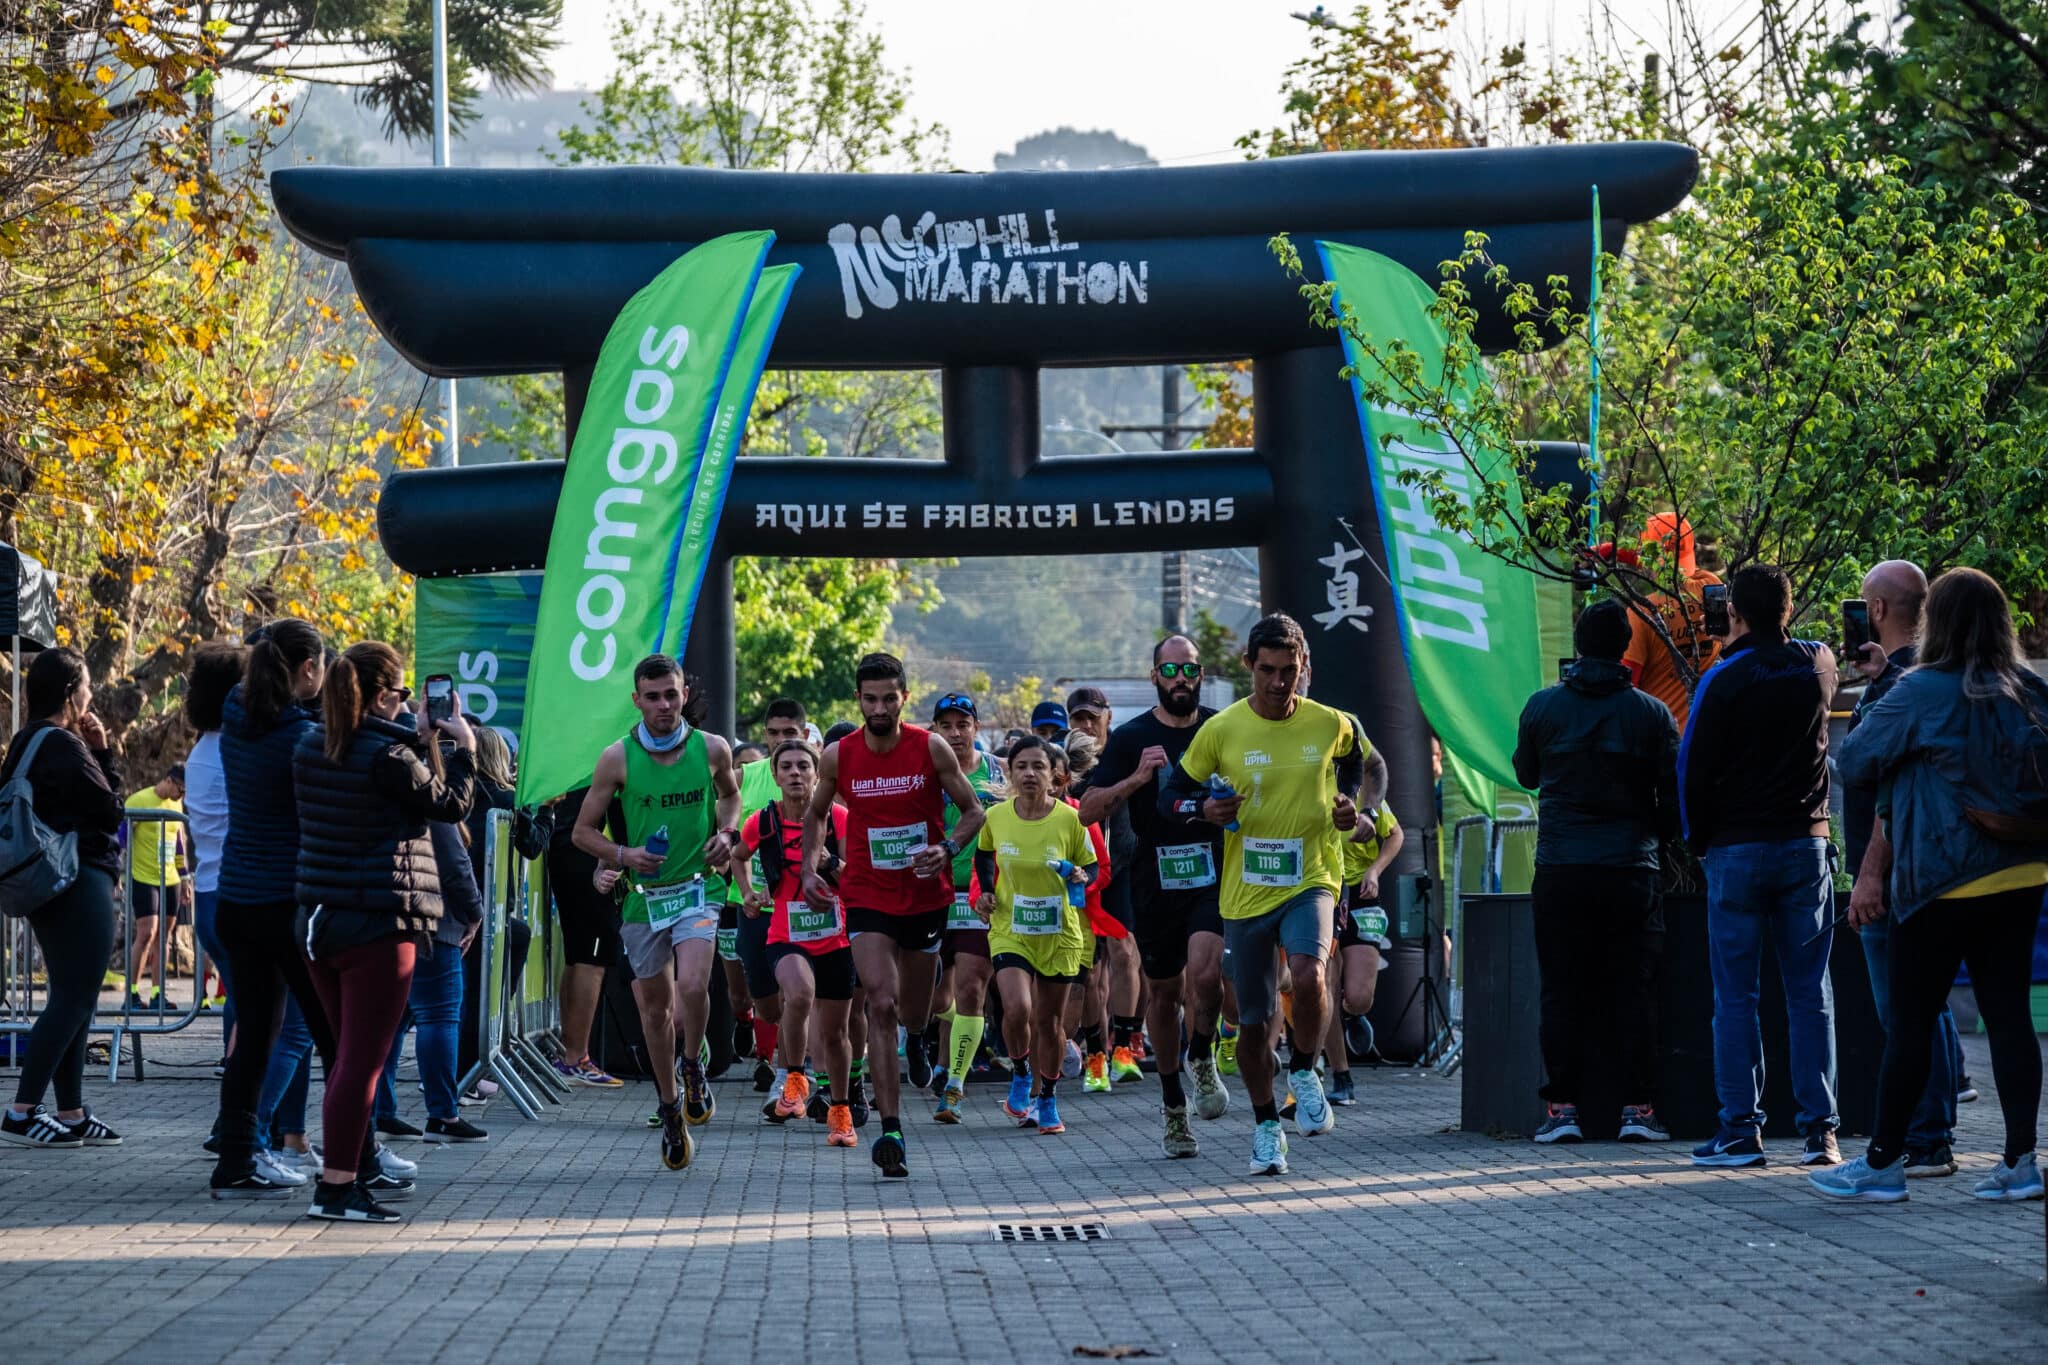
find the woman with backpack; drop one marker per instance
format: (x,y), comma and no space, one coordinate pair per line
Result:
(369,780)
(73,779)
(1959,750)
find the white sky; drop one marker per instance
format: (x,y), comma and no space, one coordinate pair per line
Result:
(1182,78)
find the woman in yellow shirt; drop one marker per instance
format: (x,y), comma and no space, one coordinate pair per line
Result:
(1031,851)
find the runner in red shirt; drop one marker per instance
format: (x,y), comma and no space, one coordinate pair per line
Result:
(807,943)
(892,779)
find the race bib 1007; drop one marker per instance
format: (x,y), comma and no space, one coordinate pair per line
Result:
(1272,862)
(1184,867)
(812,926)
(1036,914)
(890,849)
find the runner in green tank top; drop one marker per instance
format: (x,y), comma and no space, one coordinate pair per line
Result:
(963,990)
(681,797)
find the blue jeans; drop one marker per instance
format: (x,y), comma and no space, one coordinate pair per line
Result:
(1781,890)
(1934,1118)
(203,906)
(434,1010)
(281,1107)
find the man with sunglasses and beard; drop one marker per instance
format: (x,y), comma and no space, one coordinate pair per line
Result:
(1174,889)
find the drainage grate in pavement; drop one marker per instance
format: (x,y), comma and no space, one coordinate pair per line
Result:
(1051,1232)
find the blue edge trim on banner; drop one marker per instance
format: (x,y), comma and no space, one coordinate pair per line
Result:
(746,406)
(732,342)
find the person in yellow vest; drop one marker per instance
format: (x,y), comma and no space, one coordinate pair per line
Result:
(157,855)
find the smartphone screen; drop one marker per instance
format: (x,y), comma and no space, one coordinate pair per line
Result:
(1855,625)
(440,690)
(1714,604)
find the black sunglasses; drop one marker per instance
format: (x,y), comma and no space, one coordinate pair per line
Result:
(1179,670)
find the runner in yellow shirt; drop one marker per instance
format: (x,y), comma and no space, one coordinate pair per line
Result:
(156,853)
(1279,773)
(1034,853)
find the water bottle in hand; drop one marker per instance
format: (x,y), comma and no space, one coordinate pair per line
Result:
(657,843)
(1221,790)
(1077,892)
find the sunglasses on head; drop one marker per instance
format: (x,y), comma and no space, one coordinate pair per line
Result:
(954,701)
(1180,670)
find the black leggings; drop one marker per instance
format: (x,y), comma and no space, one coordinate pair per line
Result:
(1995,935)
(76,934)
(264,962)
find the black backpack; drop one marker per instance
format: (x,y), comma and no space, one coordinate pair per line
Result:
(774,863)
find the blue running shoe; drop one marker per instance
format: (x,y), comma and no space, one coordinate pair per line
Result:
(1745,1148)
(1049,1116)
(889,1154)
(1858,1179)
(1017,1104)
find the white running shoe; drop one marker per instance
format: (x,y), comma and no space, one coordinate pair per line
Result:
(1212,1096)
(2012,1182)
(394,1165)
(278,1171)
(1312,1112)
(1269,1149)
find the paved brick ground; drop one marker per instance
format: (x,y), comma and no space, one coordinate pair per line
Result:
(567,1240)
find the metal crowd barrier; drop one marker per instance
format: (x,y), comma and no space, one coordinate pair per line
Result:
(511,1029)
(24,985)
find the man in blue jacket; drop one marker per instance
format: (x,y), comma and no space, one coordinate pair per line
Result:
(1753,789)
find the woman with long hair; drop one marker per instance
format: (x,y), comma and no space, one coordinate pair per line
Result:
(1961,745)
(262,720)
(73,780)
(370,779)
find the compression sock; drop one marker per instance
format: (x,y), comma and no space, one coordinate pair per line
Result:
(1048,1088)
(1170,1090)
(1020,1066)
(892,1124)
(967,1030)
(1266,1111)
(1125,1030)
(1201,1047)
(1091,1040)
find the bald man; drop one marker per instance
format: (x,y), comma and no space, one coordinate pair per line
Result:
(1895,591)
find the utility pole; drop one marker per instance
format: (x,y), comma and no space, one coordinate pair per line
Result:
(1173,566)
(450,413)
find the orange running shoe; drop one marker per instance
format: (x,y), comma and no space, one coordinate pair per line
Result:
(839,1127)
(1123,1066)
(1095,1075)
(796,1094)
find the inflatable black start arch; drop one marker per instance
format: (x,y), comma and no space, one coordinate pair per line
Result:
(987,278)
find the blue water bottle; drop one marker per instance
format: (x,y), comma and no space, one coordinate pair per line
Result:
(657,843)
(1077,894)
(1221,790)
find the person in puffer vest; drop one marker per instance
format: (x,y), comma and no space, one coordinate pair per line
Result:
(369,780)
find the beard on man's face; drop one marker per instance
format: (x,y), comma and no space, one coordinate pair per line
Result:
(881,725)
(1179,700)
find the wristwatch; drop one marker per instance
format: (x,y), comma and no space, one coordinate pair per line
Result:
(952,849)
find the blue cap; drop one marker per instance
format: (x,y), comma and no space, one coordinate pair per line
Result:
(1049,713)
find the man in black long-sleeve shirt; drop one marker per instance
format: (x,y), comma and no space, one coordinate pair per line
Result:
(1753,786)
(1604,758)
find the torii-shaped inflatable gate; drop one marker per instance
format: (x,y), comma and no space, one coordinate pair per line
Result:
(987,278)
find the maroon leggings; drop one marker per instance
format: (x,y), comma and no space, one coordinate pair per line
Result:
(363,990)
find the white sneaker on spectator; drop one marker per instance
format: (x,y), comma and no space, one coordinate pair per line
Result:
(278,1170)
(395,1166)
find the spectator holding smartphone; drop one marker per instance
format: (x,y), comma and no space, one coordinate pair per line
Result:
(1753,790)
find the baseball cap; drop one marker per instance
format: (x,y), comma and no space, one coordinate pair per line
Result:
(1049,713)
(955,701)
(1087,699)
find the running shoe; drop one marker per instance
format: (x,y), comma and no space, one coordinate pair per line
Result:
(1560,1124)
(857,1102)
(698,1106)
(383,1186)
(889,1154)
(254,1183)
(1342,1091)
(94,1133)
(591,1074)
(1095,1075)
(1358,1038)
(1070,1063)
(1935,1162)
(917,1062)
(1821,1148)
(1226,1054)
(305,1163)
(796,1095)
(1287,1107)
(1639,1123)
(278,1172)
(677,1146)
(349,1203)
(1212,1096)
(820,1106)
(839,1127)
(1017,1104)
(654,1119)
(1966,1093)
(1314,1117)
(1269,1149)
(1858,1179)
(939,1083)
(742,1035)
(391,1164)
(2017,1182)
(1180,1138)
(1745,1148)
(764,1078)
(1049,1115)
(950,1104)
(1123,1066)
